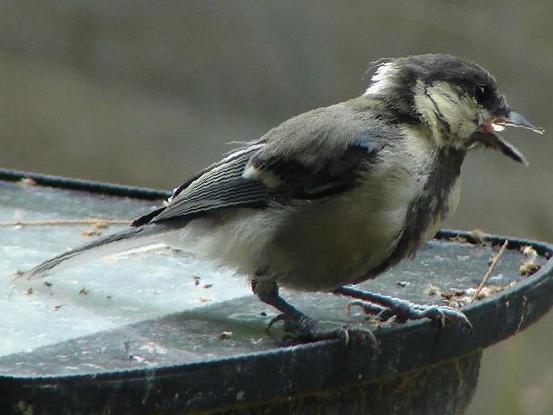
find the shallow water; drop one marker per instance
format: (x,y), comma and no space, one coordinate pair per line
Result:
(102,294)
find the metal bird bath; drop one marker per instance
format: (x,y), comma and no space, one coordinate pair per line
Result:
(161,332)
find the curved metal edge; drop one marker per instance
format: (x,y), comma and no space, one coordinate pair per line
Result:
(85,185)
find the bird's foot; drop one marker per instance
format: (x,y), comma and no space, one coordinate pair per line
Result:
(306,329)
(401,311)
(387,308)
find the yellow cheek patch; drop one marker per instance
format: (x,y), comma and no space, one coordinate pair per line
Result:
(442,103)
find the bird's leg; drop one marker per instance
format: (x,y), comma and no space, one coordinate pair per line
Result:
(386,307)
(266,290)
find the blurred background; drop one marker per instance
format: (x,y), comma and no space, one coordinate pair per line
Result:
(146,93)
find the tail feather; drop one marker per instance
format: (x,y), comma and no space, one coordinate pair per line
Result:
(117,242)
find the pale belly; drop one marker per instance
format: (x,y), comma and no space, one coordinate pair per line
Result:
(307,249)
(318,245)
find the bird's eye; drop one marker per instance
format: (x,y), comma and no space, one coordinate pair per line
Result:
(482,93)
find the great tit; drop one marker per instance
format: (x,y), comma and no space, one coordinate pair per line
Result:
(339,194)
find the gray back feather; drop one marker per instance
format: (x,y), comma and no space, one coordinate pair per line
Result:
(314,155)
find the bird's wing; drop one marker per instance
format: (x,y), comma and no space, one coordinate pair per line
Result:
(219,186)
(256,175)
(311,173)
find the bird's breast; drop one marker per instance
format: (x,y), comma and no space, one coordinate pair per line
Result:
(326,244)
(322,244)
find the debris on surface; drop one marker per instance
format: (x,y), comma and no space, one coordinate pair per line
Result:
(403,283)
(164,250)
(27,181)
(455,293)
(461,297)
(489,290)
(477,236)
(208,285)
(459,239)
(91,232)
(433,290)
(529,268)
(18,274)
(196,279)
(84,291)
(458,297)
(101,224)
(139,359)
(492,264)
(225,335)
(529,265)
(256,341)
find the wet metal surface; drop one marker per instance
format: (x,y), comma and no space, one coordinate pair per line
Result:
(198,334)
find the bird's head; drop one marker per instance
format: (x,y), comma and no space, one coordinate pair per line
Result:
(457,100)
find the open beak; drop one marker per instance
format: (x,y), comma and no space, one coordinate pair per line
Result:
(487,134)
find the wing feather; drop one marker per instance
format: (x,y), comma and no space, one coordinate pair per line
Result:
(220,186)
(293,162)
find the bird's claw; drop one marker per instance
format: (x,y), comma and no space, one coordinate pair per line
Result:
(307,329)
(401,311)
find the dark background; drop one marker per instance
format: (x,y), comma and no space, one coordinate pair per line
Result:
(147,92)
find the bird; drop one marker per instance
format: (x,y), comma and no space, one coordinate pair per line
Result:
(339,194)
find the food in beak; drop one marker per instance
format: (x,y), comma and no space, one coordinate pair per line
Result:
(487,134)
(515,120)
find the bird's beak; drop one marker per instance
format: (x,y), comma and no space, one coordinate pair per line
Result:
(487,133)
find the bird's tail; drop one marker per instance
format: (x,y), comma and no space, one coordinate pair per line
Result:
(127,239)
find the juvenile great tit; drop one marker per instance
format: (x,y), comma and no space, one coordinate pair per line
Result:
(339,194)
